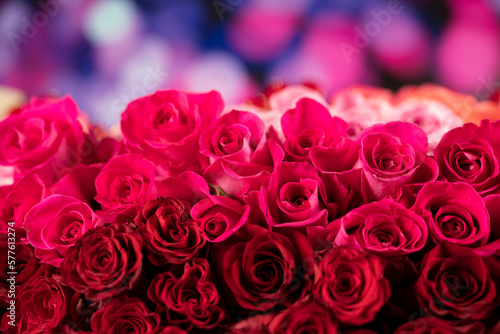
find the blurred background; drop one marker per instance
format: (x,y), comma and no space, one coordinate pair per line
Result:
(106,53)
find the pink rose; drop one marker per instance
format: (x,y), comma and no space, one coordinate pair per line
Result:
(126,180)
(295,196)
(454,212)
(55,224)
(395,154)
(235,137)
(219,217)
(313,135)
(45,136)
(385,228)
(242,157)
(79,182)
(166,127)
(17,200)
(471,154)
(344,191)
(103,147)
(188,187)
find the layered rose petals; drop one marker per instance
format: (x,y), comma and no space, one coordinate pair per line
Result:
(189,301)
(351,285)
(295,196)
(454,212)
(125,181)
(104,263)
(54,225)
(169,235)
(313,135)
(385,228)
(45,137)
(242,155)
(165,127)
(471,154)
(458,284)
(395,154)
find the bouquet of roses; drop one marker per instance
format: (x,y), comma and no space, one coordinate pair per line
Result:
(372,213)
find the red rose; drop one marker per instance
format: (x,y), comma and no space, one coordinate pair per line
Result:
(125,315)
(351,285)
(189,301)
(313,135)
(395,154)
(44,137)
(172,330)
(169,235)
(166,127)
(425,325)
(385,228)
(458,284)
(42,304)
(26,266)
(105,262)
(471,154)
(264,270)
(126,180)
(305,317)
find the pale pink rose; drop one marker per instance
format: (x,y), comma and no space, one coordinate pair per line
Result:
(362,107)
(288,97)
(16,200)
(6,175)
(433,117)
(279,103)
